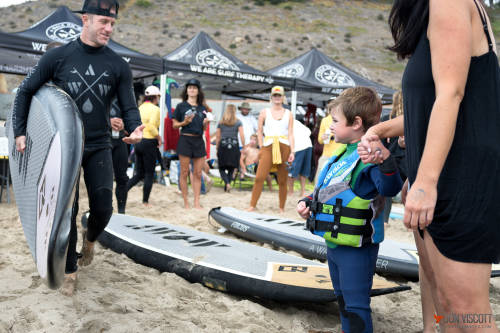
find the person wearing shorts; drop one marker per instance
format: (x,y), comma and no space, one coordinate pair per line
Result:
(191,116)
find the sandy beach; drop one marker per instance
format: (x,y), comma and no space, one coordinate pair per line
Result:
(114,294)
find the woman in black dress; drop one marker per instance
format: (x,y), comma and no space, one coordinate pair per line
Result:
(451,95)
(228,151)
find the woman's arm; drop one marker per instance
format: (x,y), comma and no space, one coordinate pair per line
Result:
(387,129)
(450,37)
(217,137)
(290,137)
(242,135)
(260,128)
(242,160)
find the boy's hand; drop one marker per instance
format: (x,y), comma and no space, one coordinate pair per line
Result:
(365,150)
(303,210)
(372,150)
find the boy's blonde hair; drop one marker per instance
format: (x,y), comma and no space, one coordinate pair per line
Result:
(360,102)
(229,116)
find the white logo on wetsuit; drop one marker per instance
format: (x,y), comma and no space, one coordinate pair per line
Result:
(332,76)
(213,58)
(74,87)
(63,32)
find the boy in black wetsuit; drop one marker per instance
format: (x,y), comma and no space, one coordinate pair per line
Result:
(92,74)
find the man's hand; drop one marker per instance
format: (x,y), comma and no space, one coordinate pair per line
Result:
(291,157)
(116,124)
(135,137)
(21,143)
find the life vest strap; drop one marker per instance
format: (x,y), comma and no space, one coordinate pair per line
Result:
(338,210)
(336,228)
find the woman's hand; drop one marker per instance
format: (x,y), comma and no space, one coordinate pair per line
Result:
(188,120)
(291,157)
(303,210)
(420,204)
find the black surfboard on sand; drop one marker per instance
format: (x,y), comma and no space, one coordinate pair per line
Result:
(224,264)
(394,257)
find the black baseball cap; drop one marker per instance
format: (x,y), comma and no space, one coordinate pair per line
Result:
(100,7)
(193,82)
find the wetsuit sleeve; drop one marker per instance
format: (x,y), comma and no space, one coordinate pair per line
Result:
(381,179)
(40,74)
(126,100)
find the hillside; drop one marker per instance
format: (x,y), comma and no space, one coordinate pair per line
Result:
(354,33)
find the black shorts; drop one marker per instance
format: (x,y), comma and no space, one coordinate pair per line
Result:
(191,146)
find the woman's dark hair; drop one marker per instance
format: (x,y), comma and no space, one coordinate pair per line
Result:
(199,99)
(408,20)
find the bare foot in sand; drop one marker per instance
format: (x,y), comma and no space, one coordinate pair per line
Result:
(282,211)
(147,204)
(250,209)
(87,251)
(69,284)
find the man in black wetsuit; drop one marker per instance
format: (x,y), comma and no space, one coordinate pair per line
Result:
(120,156)
(92,74)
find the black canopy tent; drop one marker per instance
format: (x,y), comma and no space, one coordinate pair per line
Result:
(318,70)
(21,50)
(219,70)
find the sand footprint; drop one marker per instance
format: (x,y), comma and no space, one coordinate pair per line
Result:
(95,325)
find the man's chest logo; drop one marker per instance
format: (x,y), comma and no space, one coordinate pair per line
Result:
(89,86)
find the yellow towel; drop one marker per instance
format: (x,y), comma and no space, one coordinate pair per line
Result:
(276,148)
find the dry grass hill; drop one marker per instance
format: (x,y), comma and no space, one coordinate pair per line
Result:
(354,33)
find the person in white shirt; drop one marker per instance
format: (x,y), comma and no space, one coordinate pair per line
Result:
(301,166)
(248,121)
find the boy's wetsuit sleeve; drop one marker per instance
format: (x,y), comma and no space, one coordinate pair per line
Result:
(126,99)
(40,74)
(381,179)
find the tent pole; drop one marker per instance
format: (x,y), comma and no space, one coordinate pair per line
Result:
(224,98)
(163,107)
(294,98)
(294,103)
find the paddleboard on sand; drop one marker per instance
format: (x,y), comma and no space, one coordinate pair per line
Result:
(224,264)
(44,178)
(393,258)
